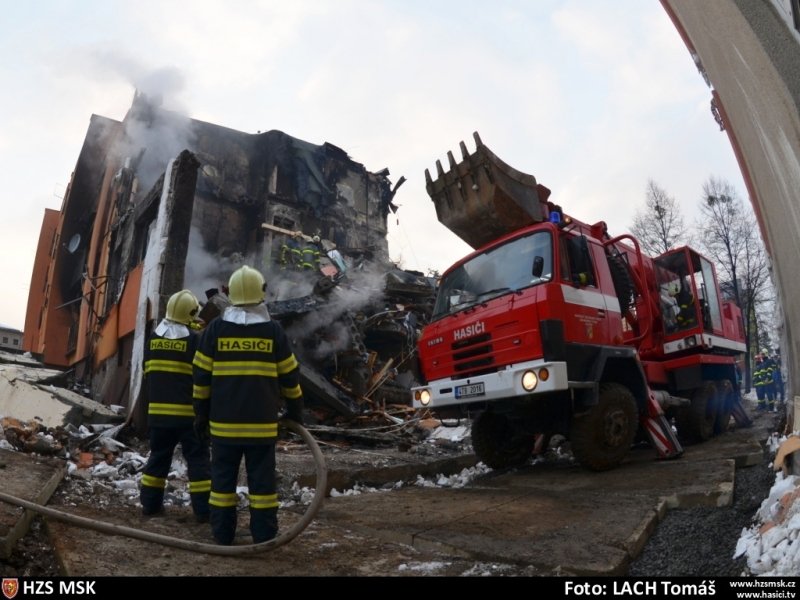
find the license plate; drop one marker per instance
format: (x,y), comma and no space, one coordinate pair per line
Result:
(469,391)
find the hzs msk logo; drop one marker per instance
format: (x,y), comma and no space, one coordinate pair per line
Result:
(10,587)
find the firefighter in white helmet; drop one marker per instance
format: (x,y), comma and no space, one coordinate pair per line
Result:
(168,357)
(243,366)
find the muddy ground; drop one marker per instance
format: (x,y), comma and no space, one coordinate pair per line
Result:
(698,541)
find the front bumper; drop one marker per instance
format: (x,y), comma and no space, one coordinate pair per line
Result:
(493,386)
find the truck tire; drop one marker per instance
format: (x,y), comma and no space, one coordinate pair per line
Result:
(497,443)
(697,421)
(602,437)
(724,405)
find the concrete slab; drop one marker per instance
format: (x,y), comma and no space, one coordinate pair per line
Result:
(28,478)
(50,405)
(323,549)
(533,516)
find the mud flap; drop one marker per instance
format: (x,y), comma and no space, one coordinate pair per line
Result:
(659,431)
(740,414)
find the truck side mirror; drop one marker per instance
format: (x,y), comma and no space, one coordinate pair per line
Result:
(538,266)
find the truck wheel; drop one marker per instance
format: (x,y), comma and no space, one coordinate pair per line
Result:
(498,443)
(724,405)
(602,437)
(696,422)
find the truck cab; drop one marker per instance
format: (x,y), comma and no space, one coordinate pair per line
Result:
(694,316)
(523,331)
(552,326)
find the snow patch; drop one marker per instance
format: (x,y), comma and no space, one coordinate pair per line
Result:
(772,545)
(457,480)
(424,567)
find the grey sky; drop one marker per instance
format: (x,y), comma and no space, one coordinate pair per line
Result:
(593,97)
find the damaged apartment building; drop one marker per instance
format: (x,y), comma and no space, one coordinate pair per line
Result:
(159,202)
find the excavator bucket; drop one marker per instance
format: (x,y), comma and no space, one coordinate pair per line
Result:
(482,198)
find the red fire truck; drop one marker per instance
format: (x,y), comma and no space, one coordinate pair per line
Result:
(554,326)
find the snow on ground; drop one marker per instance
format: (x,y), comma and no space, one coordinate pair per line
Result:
(457,480)
(450,431)
(423,568)
(304,495)
(487,570)
(772,544)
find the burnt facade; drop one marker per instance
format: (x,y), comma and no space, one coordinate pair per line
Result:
(159,202)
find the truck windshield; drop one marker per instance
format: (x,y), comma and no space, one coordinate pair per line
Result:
(517,264)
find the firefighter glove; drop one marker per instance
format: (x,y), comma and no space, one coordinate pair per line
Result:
(294,411)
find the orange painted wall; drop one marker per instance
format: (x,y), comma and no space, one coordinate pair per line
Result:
(56,323)
(107,342)
(129,303)
(33,340)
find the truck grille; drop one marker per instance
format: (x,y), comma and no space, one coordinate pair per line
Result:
(473,356)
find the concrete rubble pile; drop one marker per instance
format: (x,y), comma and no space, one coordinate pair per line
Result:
(40,415)
(354,336)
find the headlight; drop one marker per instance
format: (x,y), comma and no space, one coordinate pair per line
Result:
(423,397)
(690,341)
(529,381)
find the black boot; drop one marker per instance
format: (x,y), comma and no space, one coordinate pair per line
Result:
(263,524)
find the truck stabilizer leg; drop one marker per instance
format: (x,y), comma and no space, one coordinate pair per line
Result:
(659,430)
(740,414)
(660,433)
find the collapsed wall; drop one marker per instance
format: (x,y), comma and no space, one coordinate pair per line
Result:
(159,202)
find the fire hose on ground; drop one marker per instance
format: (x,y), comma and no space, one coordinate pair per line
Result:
(203,547)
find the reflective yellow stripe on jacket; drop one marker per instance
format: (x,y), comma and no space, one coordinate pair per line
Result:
(244,430)
(292,392)
(201,392)
(244,367)
(202,361)
(178,410)
(287,365)
(167,366)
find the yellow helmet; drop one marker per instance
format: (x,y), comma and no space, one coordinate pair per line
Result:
(182,307)
(246,286)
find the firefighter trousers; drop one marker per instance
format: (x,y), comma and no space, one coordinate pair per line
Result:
(259,460)
(163,441)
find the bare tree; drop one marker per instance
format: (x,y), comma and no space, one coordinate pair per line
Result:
(729,237)
(659,225)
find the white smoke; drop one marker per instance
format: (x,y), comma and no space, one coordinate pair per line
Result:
(152,137)
(165,83)
(205,270)
(361,289)
(287,284)
(335,338)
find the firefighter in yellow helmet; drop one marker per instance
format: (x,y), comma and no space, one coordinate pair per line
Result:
(243,366)
(168,357)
